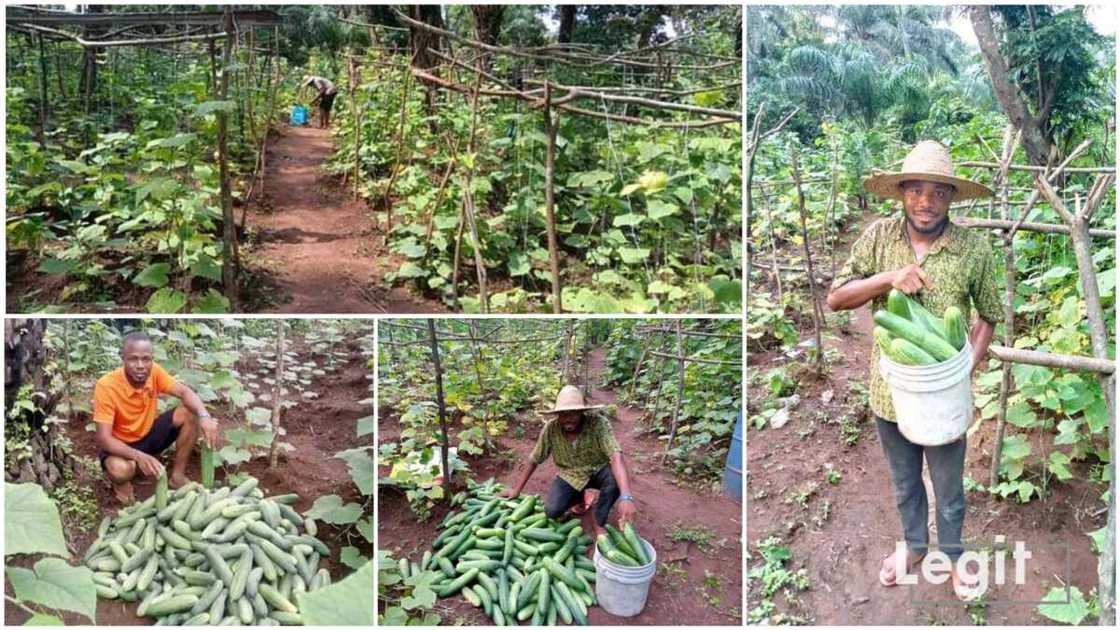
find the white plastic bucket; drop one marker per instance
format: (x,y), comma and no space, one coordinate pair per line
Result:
(932,403)
(621,590)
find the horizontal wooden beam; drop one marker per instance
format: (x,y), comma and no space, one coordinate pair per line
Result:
(21,15)
(1046,359)
(1045,228)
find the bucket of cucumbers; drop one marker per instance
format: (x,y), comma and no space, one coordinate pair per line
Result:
(926,361)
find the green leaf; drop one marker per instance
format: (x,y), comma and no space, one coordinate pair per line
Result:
(411,270)
(54,265)
(633,255)
(40,619)
(154,276)
(1057,606)
(233,455)
(630,189)
(1097,536)
(166,300)
(1021,415)
(345,603)
(360,461)
(248,437)
(518,264)
(213,304)
(365,425)
(352,557)
(178,140)
(365,527)
(1059,465)
(329,509)
(658,209)
(56,585)
(628,219)
(209,107)
(206,267)
(259,416)
(31,523)
(422,594)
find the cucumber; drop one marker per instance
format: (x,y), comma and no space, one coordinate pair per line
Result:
(207,464)
(275,599)
(561,606)
(458,583)
(483,596)
(286,618)
(902,351)
(954,327)
(883,338)
(542,535)
(920,315)
(172,605)
(161,490)
(241,577)
(635,541)
(935,346)
(898,303)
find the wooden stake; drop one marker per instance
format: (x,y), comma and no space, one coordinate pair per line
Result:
(277,395)
(445,443)
(550,199)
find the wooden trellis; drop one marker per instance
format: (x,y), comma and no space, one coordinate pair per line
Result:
(552,99)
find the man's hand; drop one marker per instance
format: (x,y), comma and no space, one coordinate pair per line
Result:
(911,279)
(210,432)
(509,493)
(627,511)
(147,464)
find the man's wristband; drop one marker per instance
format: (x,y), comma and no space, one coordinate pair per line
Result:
(626,497)
(205,415)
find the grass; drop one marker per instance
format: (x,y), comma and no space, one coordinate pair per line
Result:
(702,537)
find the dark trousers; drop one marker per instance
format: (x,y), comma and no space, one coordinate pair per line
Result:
(946,470)
(562,495)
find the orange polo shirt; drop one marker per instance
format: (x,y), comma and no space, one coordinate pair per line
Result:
(131,411)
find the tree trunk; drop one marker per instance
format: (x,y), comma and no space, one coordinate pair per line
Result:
(1035,140)
(567,23)
(229,227)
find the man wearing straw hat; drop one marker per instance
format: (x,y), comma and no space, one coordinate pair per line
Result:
(941,264)
(583,447)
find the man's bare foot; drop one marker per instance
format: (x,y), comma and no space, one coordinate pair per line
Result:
(589,497)
(965,585)
(124,494)
(178,480)
(887,576)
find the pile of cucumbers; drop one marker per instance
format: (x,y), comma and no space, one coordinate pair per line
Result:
(198,556)
(909,334)
(507,557)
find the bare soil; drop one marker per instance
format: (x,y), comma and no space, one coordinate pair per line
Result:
(318,248)
(692,586)
(317,429)
(842,552)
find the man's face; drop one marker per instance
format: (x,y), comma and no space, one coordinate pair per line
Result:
(137,359)
(569,420)
(927,205)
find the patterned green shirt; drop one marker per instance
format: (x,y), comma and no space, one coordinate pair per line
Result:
(959,264)
(581,459)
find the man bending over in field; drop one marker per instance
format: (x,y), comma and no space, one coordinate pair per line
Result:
(582,445)
(325,99)
(129,433)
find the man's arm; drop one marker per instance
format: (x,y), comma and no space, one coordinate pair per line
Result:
(110,444)
(194,405)
(516,489)
(626,508)
(980,337)
(854,294)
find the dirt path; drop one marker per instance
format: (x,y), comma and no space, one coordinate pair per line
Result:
(317,430)
(319,245)
(844,530)
(691,587)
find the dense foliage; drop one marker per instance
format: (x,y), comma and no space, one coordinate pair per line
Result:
(648,217)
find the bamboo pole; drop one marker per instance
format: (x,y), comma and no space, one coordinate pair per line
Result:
(229,226)
(277,395)
(445,443)
(550,200)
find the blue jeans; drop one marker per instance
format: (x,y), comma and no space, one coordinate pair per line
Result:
(946,470)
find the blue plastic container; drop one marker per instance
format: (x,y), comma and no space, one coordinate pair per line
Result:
(733,471)
(300,115)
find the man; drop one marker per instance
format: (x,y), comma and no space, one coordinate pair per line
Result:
(924,255)
(325,99)
(582,445)
(129,433)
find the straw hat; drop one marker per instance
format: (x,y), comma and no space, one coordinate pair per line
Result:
(571,399)
(928,161)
